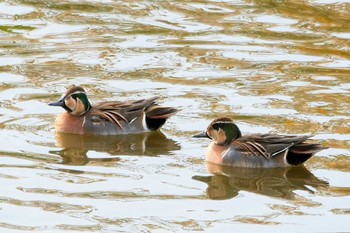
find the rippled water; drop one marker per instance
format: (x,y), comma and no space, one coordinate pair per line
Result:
(274,66)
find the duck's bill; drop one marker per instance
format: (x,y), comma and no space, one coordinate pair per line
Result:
(201,135)
(59,103)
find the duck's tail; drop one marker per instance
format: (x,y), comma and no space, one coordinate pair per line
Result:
(156,116)
(301,152)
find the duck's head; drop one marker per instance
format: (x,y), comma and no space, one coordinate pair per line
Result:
(74,101)
(222,131)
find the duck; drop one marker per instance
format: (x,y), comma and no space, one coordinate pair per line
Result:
(230,148)
(108,117)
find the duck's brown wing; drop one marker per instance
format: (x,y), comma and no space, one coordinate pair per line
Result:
(116,111)
(267,145)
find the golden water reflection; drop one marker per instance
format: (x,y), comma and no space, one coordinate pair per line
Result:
(76,147)
(273,66)
(226,182)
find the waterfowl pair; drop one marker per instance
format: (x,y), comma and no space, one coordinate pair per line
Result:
(109,117)
(229,147)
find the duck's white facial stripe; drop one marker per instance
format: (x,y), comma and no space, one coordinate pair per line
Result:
(224,122)
(77,92)
(65,95)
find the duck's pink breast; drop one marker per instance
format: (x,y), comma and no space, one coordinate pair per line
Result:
(214,153)
(66,123)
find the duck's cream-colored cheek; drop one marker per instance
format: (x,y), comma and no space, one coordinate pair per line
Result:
(80,108)
(70,103)
(221,136)
(213,134)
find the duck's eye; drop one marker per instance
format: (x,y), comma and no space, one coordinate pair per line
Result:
(74,96)
(215,126)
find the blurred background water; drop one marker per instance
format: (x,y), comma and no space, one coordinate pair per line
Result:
(273,66)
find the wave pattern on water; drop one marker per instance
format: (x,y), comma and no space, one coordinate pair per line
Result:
(274,66)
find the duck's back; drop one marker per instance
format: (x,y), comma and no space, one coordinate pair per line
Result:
(115,117)
(269,150)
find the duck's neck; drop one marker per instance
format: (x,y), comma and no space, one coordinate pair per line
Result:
(215,152)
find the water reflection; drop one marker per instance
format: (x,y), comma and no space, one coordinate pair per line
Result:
(76,147)
(277,66)
(227,182)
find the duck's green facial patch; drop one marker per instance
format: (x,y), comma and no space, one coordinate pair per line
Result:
(83,98)
(230,129)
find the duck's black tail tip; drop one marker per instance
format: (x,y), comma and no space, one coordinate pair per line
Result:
(156,116)
(300,153)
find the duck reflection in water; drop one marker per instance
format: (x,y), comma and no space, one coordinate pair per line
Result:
(76,147)
(226,182)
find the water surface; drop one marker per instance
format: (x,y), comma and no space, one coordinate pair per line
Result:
(272,66)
